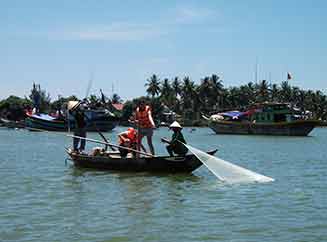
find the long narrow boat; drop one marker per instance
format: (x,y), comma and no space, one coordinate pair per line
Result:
(263,119)
(11,123)
(156,164)
(294,128)
(100,120)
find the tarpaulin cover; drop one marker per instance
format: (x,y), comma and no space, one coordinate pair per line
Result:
(233,114)
(43,117)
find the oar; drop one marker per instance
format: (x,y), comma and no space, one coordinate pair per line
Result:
(110,144)
(165,140)
(102,136)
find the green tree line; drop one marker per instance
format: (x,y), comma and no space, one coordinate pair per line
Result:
(209,95)
(14,107)
(186,97)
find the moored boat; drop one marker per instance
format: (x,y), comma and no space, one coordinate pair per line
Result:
(263,119)
(12,123)
(156,164)
(99,120)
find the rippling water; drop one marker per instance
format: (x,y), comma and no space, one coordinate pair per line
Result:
(44,199)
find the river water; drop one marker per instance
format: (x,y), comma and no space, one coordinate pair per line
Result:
(44,199)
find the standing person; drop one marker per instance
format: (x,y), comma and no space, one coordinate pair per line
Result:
(36,98)
(145,124)
(77,110)
(175,144)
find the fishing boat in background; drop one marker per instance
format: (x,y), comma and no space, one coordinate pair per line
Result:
(98,120)
(264,119)
(111,160)
(12,123)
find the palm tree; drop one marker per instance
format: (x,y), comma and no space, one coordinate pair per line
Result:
(176,86)
(251,91)
(294,94)
(262,91)
(176,90)
(204,90)
(319,104)
(286,92)
(167,95)
(234,97)
(244,96)
(322,110)
(211,95)
(190,98)
(274,92)
(309,100)
(153,86)
(216,89)
(188,90)
(300,100)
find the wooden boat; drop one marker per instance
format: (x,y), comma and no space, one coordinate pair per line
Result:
(295,128)
(263,119)
(12,124)
(100,121)
(156,164)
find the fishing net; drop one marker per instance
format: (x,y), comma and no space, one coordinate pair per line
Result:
(226,171)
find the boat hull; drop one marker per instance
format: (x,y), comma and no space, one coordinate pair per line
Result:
(159,164)
(12,124)
(294,128)
(62,125)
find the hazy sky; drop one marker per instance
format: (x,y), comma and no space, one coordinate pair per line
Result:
(61,44)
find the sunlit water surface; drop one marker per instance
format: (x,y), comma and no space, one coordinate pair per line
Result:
(44,199)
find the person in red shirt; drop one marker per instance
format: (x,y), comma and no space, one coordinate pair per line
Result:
(128,139)
(145,123)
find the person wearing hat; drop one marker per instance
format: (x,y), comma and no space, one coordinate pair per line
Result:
(76,109)
(128,139)
(175,145)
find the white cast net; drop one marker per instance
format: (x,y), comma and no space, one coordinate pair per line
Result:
(226,171)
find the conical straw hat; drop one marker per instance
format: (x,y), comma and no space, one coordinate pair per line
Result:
(175,124)
(72,105)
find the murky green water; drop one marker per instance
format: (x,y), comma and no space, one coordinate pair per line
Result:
(42,199)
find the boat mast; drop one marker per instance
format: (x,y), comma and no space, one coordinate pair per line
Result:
(256,71)
(89,85)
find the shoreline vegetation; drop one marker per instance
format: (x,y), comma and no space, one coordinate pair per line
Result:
(180,98)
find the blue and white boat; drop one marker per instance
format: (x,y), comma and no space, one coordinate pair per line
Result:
(97,120)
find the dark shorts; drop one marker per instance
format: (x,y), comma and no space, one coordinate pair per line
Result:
(177,149)
(124,152)
(146,131)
